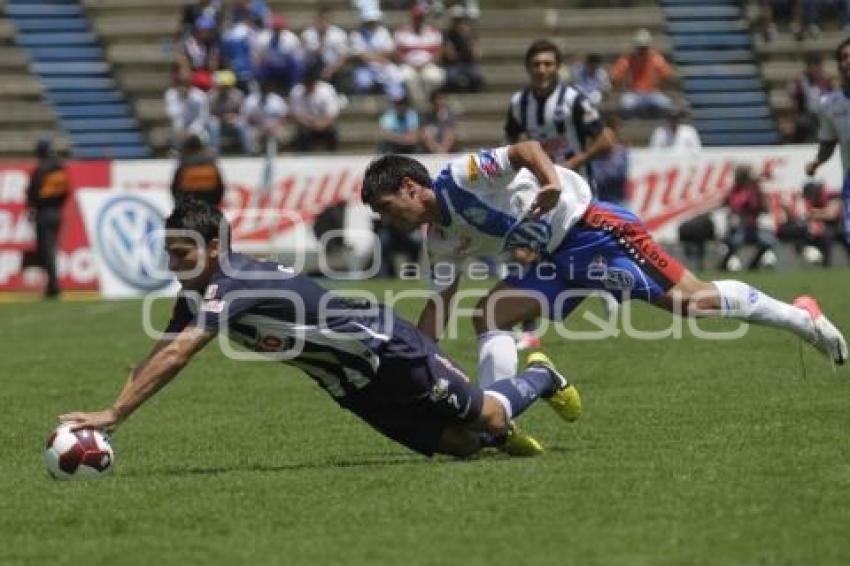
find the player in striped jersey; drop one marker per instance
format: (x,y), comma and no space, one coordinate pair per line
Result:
(563,120)
(557,115)
(835,129)
(514,200)
(370,361)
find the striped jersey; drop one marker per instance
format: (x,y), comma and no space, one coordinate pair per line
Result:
(562,122)
(482,198)
(268,308)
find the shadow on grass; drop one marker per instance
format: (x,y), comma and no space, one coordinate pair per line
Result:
(365,462)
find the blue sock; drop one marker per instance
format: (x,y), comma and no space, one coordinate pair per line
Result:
(489,440)
(518,393)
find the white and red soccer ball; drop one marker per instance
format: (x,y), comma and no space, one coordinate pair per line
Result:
(78,454)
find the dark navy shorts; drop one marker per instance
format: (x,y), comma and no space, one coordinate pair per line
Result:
(417,393)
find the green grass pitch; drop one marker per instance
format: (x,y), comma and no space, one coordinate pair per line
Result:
(689,452)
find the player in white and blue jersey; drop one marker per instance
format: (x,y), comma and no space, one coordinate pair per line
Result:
(835,129)
(369,360)
(514,200)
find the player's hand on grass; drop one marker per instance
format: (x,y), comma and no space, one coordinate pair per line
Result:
(102,420)
(546,199)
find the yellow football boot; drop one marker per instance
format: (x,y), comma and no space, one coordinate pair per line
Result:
(565,401)
(520,444)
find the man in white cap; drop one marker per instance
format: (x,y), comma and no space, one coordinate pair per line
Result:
(372,49)
(640,74)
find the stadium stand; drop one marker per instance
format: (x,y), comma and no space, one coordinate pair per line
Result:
(26,116)
(782,58)
(138,36)
(75,78)
(714,52)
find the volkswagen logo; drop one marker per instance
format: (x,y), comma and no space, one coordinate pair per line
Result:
(130,234)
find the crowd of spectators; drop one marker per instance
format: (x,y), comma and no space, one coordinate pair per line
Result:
(802,17)
(242,74)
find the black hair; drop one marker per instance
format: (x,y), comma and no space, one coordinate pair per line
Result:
(194,215)
(193,144)
(384,175)
(840,48)
(594,59)
(542,46)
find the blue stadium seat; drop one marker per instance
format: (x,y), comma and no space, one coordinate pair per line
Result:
(714,56)
(714,40)
(740,138)
(98,124)
(107,138)
(721,70)
(71,68)
(735,125)
(84,97)
(46,39)
(53,25)
(727,112)
(93,111)
(112,152)
(707,26)
(728,98)
(19,10)
(78,83)
(702,12)
(79,53)
(723,84)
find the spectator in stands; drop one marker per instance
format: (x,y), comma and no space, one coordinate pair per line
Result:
(461,53)
(824,220)
(199,56)
(191,13)
(773,10)
(314,107)
(48,187)
(373,49)
(610,169)
(676,134)
(746,203)
(419,45)
(197,174)
(225,102)
(438,125)
(592,78)
(188,109)
(263,113)
(278,56)
(237,44)
(250,10)
(812,11)
(399,125)
(805,92)
(329,44)
(641,74)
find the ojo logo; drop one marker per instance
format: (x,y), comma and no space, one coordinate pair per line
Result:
(129,233)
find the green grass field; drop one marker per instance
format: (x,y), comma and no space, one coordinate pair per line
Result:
(689,452)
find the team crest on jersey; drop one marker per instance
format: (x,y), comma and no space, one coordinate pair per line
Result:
(211,291)
(487,163)
(476,215)
(472,168)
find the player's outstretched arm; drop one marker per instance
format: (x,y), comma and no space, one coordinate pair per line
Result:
(436,314)
(825,149)
(530,154)
(151,376)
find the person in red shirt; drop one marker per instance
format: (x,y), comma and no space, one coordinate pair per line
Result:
(418,47)
(640,74)
(746,203)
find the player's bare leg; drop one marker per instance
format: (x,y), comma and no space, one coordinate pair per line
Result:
(734,299)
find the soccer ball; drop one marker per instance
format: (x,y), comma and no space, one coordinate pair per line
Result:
(78,454)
